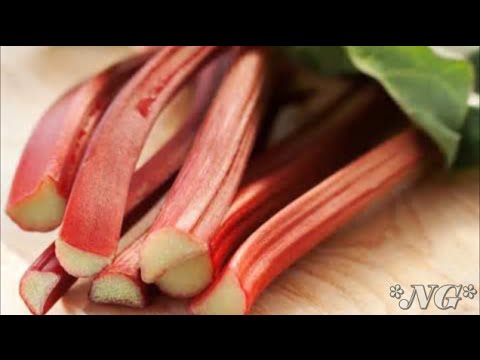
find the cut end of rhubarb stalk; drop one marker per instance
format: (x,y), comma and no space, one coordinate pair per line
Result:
(165,249)
(117,289)
(79,263)
(187,279)
(226,297)
(35,288)
(43,211)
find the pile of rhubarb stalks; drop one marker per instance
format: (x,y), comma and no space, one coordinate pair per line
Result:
(235,200)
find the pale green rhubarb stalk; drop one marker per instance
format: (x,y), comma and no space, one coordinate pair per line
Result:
(45,282)
(50,160)
(93,217)
(311,219)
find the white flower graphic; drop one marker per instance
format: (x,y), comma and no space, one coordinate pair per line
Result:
(396,291)
(469,291)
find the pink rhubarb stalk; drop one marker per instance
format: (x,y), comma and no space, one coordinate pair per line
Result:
(309,220)
(298,163)
(208,181)
(49,163)
(94,213)
(45,282)
(272,181)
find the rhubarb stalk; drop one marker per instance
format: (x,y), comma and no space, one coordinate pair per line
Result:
(295,165)
(271,182)
(94,213)
(280,175)
(207,183)
(309,220)
(45,282)
(49,163)
(120,282)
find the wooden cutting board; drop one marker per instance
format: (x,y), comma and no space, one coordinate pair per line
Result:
(427,235)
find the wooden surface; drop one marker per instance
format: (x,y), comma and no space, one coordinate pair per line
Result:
(427,235)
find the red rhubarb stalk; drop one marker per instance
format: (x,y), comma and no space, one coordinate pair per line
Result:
(171,156)
(309,220)
(292,166)
(297,164)
(120,282)
(49,163)
(94,213)
(207,183)
(45,282)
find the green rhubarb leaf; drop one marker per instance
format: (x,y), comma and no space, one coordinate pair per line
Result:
(431,90)
(326,60)
(469,153)
(475,61)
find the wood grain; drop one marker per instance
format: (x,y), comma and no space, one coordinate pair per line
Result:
(428,234)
